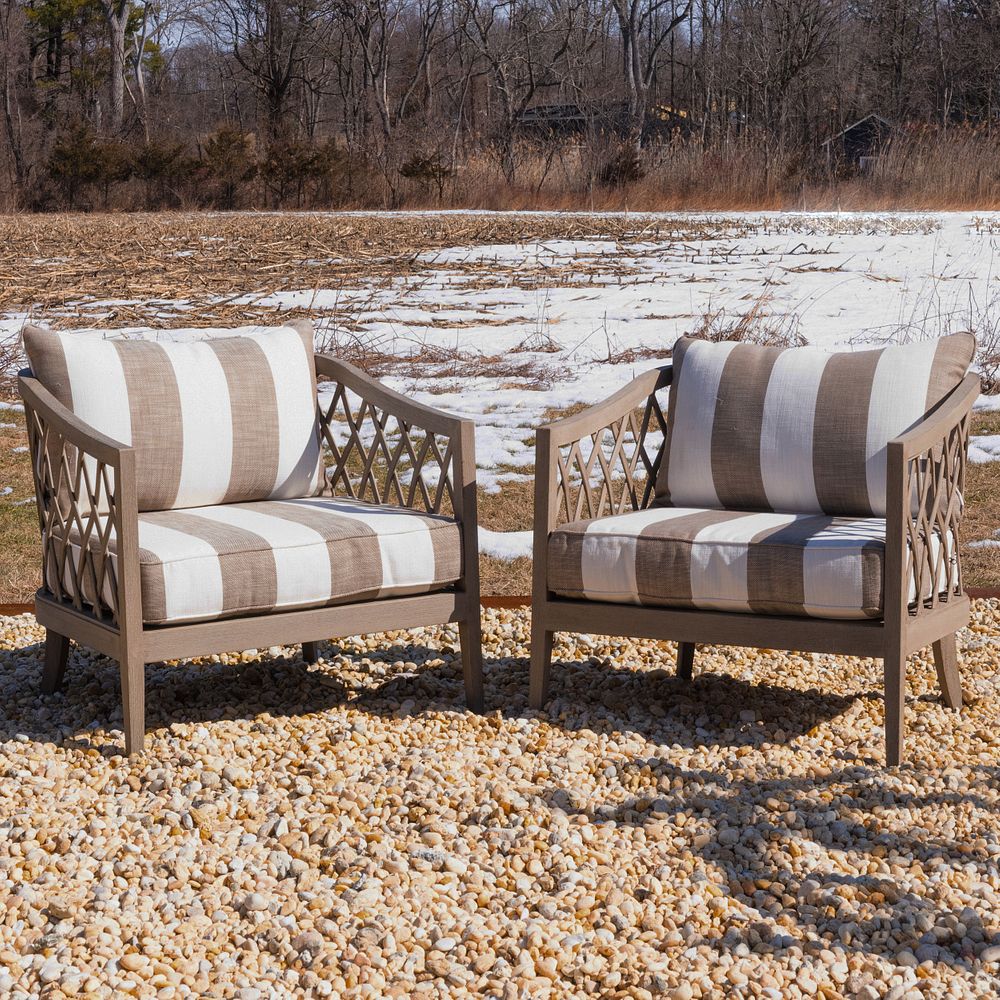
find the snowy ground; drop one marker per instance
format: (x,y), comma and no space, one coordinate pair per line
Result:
(510,334)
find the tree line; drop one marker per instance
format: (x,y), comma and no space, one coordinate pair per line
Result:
(296,103)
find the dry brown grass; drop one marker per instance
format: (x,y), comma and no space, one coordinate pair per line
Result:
(447,366)
(19,543)
(49,263)
(503,578)
(754,325)
(752,172)
(982,513)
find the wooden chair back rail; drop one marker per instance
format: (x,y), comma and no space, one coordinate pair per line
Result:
(611,467)
(396,451)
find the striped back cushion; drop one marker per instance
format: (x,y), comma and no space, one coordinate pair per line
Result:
(797,430)
(215,421)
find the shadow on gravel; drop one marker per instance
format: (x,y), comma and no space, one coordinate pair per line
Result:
(187,693)
(761,835)
(709,711)
(713,709)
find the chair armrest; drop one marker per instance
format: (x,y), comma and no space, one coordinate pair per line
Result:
(572,485)
(85,489)
(602,414)
(955,408)
(378,457)
(386,399)
(925,487)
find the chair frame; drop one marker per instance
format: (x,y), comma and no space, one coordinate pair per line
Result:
(926,480)
(69,493)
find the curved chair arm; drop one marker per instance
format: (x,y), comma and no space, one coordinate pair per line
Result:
(603,414)
(956,407)
(388,400)
(925,487)
(392,450)
(571,485)
(614,471)
(85,488)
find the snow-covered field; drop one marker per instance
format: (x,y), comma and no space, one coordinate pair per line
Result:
(511,334)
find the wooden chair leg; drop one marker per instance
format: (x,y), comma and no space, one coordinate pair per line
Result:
(470,633)
(685,660)
(894,666)
(56,654)
(946,661)
(541,663)
(310,652)
(133,680)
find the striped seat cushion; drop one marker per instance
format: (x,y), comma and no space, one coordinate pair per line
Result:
(222,561)
(223,420)
(809,565)
(797,429)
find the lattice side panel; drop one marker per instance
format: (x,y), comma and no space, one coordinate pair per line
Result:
(613,470)
(76,501)
(375,456)
(936,484)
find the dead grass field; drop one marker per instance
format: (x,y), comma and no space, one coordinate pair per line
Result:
(156,269)
(165,270)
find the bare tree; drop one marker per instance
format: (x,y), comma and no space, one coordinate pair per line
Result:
(12,42)
(271,40)
(644,27)
(116,17)
(522,43)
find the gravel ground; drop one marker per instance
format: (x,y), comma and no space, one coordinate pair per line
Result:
(348,830)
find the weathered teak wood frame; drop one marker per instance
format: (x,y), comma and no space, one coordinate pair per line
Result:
(391,468)
(926,479)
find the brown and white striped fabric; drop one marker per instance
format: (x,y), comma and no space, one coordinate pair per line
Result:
(217,421)
(797,429)
(221,561)
(809,565)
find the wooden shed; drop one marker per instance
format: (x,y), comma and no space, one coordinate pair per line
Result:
(859,145)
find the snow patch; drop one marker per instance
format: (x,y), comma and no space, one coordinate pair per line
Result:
(987,404)
(985,543)
(506,545)
(984,448)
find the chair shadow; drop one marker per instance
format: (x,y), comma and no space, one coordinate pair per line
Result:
(585,695)
(706,712)
(837,908)
(186,693)
(604,700)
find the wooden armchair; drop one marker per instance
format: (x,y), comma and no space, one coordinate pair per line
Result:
(619,549)
(386,538)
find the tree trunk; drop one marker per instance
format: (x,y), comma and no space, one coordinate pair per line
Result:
(12,125)
(11,111)
(116,20)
